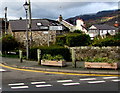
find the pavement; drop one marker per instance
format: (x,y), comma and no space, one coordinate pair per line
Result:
(33,65)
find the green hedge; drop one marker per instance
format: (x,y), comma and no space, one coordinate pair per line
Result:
(77,40)
(61,40)
(109,41)
(53,50)
(73,39)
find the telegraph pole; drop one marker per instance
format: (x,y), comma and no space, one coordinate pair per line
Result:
(29,13)
(5,20)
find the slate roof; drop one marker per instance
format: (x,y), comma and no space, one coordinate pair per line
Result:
(105,27)
(20,25)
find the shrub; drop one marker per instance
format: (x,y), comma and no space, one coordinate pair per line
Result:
(99,59)
(61,40)
(73,39)
(78,31)
(77,40)
(49,57)
(8,43)
(52,50)
(108,41)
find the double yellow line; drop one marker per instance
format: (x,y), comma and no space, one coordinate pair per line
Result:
(63,73)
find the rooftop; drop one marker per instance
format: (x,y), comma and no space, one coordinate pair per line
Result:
(105,27)
(37,24)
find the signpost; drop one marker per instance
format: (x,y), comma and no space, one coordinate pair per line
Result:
(20,56)
(73,58)
(39,56)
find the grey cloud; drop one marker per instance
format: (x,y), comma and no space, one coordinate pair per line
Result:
(53,9)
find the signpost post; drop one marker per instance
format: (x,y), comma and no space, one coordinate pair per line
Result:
(20,56)
(39,56)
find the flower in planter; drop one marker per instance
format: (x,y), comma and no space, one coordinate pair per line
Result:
(47,57)
(99,59)
(58,57)
(53,58)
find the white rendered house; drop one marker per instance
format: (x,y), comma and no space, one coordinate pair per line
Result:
(101,30)
(79,24)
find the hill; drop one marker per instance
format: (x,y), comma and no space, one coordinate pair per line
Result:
(107,17)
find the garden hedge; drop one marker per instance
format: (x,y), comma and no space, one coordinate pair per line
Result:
(53,50)
(108,41)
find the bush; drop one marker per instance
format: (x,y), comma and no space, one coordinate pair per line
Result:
(49,57)
(99,59)
(52,50)
(77,31)
(8,43)
(117,36)
(108,41)
(77,40)
(73,39)
(61,40)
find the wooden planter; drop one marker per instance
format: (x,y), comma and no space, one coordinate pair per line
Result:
(53,63)
(102,65)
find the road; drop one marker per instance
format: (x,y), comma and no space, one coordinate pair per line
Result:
(15,80)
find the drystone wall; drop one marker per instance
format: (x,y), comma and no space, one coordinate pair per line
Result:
(109,52)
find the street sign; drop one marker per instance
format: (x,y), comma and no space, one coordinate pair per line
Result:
(45,32)
(55,28)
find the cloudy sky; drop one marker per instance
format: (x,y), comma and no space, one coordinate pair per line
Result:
(53,8)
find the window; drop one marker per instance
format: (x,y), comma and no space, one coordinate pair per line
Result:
(39,24)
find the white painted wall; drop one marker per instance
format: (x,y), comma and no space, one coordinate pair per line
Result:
(79,24)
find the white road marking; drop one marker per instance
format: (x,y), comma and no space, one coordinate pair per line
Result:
(68,84)
(16,84)
(96,82)
(64,81)
(109,77)
(0,88)
(116,80)
(37,83)
(88,79)
(19,87)
(2,70)
(48,85)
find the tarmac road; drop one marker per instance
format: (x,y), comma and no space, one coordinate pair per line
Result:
(15,80)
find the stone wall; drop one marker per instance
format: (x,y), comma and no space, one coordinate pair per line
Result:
(38,37)
(84,52)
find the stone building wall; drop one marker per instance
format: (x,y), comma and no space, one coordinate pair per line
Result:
(38,37)
(110,52)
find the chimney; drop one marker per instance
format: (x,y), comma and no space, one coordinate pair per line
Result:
(116,24)
(60,18)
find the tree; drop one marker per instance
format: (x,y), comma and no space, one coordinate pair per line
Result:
(78,31)
(77,39)
(8,43)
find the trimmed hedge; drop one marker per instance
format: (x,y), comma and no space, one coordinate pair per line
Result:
(53,50)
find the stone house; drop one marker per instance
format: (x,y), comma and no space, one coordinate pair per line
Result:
(43,31)
(2,27)
(101,30)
